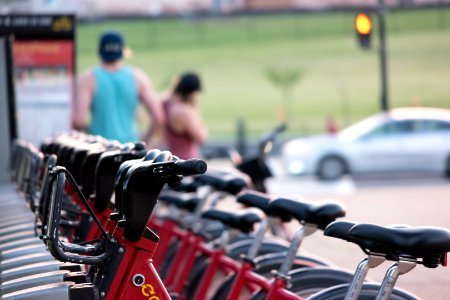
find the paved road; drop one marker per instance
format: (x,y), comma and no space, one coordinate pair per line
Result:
(381,200)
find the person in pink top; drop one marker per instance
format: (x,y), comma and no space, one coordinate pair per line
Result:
(184,129)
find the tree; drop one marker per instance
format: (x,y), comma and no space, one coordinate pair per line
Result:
(284,78)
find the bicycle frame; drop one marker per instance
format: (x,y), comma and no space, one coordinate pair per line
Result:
(167,230)
(136,277)
(94,232)
(183,260)
(245,277)
(193,245)
(218,261)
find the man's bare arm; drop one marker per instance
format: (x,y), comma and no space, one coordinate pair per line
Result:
(148,97)
(85,92)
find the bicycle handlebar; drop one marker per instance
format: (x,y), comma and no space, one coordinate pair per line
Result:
(190,167)
(270,136)
(162,169)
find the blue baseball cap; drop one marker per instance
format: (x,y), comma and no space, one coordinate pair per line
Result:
(111,46)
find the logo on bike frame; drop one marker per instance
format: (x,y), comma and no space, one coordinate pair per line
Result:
(148,291)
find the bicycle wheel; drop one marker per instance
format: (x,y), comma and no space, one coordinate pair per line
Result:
(308,281)
(200,265)
(168,259)
(272,261)
(369,291)
(235,250)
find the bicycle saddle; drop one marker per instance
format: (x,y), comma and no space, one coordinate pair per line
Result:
(254,199)
(230,182)
(188,201)
(418,242)
(341,229)
(319,213)
(242,220)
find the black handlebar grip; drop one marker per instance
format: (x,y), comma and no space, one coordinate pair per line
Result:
(190,167)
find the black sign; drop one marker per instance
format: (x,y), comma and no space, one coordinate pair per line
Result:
(42,26)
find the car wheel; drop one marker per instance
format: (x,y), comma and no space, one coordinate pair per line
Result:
(331,168)
(447,168)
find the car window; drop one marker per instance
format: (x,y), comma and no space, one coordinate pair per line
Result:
(431,126)
(393,128)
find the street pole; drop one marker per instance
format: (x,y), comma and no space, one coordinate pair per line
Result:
(383,59)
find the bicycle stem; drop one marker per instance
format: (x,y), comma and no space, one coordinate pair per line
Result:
(372,261)
(403,266)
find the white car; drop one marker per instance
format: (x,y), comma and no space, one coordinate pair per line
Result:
(404,139)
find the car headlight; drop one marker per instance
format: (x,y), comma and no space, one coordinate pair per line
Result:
(296,148)
(296,167)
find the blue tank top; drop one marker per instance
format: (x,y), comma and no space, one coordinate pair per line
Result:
(113,108)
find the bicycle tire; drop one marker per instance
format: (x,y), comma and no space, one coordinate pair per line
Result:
(272,261)
(195,276)
(308,281)
(235,249)
(369,291)
(168,259)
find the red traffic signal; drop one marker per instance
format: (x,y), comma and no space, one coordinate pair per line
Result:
(363,26)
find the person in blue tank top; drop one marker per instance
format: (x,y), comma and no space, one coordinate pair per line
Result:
(111,92)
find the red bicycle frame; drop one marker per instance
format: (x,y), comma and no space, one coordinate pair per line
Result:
(103,217)
(136,260)
(167,230)
(245,277)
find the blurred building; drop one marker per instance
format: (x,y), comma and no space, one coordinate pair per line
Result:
(110,8)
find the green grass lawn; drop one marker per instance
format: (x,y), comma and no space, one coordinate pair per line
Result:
(233,55)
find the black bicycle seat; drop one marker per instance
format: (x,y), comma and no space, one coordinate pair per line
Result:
(341,229)
(418,242)
(319,213)
(254,199)
(188,201)
(230,182)
(242,220)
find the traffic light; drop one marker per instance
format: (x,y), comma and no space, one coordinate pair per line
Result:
(363,26)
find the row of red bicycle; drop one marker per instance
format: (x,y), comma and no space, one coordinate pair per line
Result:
(95,219)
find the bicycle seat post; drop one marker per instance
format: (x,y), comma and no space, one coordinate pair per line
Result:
(303,231)
(259,237)
(196,225)
(215,198)
(224,238)
(403,266)
(372,261)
